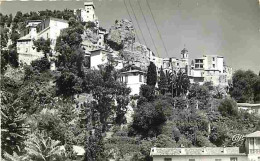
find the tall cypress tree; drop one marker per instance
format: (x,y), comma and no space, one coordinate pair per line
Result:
(151,75)
(162,84)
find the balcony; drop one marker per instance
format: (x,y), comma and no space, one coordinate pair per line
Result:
(254,151)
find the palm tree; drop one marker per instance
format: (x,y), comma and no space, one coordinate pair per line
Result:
(43,148)
(178,83)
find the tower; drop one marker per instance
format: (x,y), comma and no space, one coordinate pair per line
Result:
(184,54)
(89,11)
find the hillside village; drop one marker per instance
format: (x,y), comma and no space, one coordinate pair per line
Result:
(95,94)
(209,68)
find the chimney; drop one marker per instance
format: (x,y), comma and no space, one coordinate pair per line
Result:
(182,150)
(224,149)
(204,149)
(153,151)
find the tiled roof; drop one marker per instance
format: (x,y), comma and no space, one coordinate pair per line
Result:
(196,151)
(253,135)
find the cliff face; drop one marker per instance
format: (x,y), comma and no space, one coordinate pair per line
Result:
(136,54)
(121,34)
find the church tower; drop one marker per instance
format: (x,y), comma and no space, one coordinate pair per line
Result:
(184,54)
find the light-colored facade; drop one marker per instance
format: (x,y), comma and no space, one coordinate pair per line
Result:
(25,47)
(250,108)
(87,14)
(252,145)
(134,78)
(51,29)
(102,57)
(46,29)
(198,154)
(210,68)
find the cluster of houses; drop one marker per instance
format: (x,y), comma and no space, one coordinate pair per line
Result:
(209,68)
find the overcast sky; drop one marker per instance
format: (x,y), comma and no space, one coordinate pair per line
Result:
(230,28)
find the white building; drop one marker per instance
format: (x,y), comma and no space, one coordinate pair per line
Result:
(250,108)
(51,29)
(253,146)
(134,77)
(36,29)
(87,14)
(210,68)
(25,48)
(102,57)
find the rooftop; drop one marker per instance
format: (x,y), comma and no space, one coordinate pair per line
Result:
(248,104)
(196,151)
(253,135)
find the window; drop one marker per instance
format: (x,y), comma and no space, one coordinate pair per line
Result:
(191,159)
(196,65)
(196,61)
(213,59)
(213,65)
(233,159)
(167,159)
(201,66)
(217,159)
(140,78)
(126,79)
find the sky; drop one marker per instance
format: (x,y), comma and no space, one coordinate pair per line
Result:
(230,28)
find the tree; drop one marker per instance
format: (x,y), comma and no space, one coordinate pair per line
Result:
(256,88)
(151,75)
(182,83)
(162,84)
(242,90)
(68,84)
(228,107)
(147,92)
(41,65)
(43,45)
(201,94)
(179,83)
(149,117)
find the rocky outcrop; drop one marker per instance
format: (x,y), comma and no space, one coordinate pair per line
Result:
(121,34)
(91,35)
(136,54)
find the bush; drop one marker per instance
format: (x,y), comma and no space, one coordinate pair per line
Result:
(228,107)
(41,65)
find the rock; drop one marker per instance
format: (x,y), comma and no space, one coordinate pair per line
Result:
(121,34)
